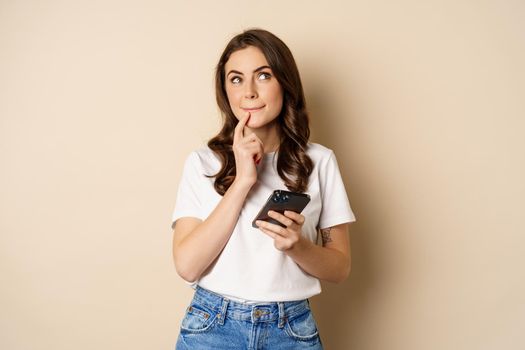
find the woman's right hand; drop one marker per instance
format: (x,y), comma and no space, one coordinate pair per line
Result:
(248,151)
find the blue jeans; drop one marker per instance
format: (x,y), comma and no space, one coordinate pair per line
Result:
(214,322)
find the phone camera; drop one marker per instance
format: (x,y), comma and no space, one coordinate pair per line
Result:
(280,198)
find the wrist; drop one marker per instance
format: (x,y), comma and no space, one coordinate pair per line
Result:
(242,186)
(300,246)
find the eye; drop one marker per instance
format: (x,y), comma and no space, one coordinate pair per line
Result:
(264,76)
(235,80)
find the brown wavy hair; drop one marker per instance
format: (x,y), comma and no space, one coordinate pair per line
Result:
(294,166)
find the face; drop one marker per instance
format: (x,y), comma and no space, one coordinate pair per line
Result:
(251,87)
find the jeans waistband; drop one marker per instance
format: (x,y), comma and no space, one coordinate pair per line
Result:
(258,312)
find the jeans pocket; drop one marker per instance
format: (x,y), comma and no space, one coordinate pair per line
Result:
(302,327)
(198,318)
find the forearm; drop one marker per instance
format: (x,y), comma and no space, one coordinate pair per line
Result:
(324,263)
(202,245)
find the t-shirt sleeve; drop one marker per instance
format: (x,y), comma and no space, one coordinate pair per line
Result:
(189,198)
(335,204)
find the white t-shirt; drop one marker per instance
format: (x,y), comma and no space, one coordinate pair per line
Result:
(250,267)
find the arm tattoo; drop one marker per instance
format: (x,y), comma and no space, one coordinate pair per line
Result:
(325,234)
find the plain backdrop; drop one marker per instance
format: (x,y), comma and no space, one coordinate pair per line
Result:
(422,102)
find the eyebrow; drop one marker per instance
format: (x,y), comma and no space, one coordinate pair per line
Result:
(256,70)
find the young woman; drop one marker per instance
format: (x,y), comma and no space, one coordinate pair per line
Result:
(252,284)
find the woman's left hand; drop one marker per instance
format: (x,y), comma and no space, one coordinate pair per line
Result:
(285,238)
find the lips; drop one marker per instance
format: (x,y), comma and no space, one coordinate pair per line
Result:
(255,109)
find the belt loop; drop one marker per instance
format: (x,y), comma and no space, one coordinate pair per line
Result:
(282,316)
(222,315)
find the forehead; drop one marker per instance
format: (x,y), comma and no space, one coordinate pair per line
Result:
(246,60)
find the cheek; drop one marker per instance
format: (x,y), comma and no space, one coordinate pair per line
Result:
(233,94)
(234,101)
(231,97)
(276,96)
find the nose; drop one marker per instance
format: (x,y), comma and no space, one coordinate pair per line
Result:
(250,90)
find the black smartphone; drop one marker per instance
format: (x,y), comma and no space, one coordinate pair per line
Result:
(280,201)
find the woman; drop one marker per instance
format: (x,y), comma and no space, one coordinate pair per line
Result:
(253,284)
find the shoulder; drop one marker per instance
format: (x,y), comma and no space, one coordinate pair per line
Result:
(319,153)
(203,152)
(203,158)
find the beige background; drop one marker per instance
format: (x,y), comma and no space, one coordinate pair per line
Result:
(422,101)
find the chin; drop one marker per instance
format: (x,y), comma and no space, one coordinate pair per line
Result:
(256,124)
